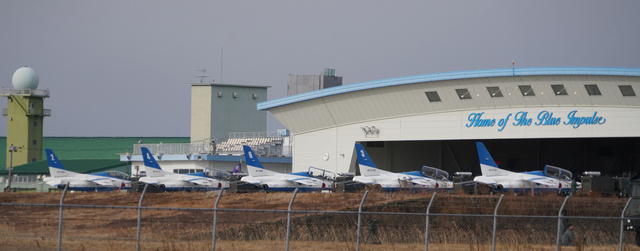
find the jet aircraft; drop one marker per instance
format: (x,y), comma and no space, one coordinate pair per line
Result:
(177,182)
(275,181)
(428,178)
(551,179)
(103,181)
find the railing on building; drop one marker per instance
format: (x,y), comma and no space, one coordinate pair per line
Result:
(33,92)
(263,144)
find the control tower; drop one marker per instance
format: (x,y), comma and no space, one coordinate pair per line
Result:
(24,114)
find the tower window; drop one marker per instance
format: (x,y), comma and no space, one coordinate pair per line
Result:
(433,96)
(35,123)
(35,142)
(494,91)
(463,93)
(627,91)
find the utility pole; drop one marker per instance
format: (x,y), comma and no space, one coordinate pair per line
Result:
(12,149)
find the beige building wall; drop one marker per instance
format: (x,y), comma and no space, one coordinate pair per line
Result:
(201,112)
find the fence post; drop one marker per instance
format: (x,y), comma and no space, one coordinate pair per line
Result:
(560,216)
(66,186)
(495,222)
(426,232)
(622,221)
(144,191)
(215,220)
(364,197)
(289,217)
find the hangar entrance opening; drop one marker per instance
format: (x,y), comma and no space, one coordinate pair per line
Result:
(610,156)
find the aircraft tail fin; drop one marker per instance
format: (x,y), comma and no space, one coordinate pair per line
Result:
(254,167)
(487,165)
(152,166)
(365,164)
(56,169)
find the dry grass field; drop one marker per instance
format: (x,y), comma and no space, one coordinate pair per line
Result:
(258,227)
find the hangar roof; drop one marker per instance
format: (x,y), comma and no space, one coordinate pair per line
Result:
(506,72)
(457,91)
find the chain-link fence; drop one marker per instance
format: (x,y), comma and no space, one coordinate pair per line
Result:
(454,223)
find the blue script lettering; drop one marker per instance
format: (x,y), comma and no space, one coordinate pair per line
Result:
(521,119)
(476,120)
(503,122)
(577,121)
(546,118)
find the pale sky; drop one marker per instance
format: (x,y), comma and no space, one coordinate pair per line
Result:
(121,68)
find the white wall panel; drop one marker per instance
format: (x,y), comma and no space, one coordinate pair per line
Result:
(338,142)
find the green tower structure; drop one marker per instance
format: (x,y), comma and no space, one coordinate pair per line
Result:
(25,112)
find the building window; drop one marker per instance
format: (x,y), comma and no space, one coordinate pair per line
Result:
(526,90)
(627,91)
(255,96)
(593,90)
(235,95)
(559,90)
(433,96)
(35,142)
(219,94)
(463,93)
(494,91)
(35,123)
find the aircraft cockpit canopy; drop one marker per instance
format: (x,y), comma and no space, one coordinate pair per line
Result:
(434,173)
(119,175)
(557,172)
(321,173)
(216,174)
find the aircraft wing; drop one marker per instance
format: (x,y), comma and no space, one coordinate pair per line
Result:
(102,181)
(149,181)
(198,181)
(422,182)
(537,182)
(485,181)
(53,181)
(302,180)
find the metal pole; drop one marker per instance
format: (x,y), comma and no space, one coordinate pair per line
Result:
(144,191)
(215,219)
(426,232)
(622,221)
(495,222)
(64,192)
(295,192)
(559,220)
(12,149)
(360,219)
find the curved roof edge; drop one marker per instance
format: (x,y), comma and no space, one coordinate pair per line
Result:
(506,72)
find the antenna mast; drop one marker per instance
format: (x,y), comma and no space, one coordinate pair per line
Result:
(203,76)
(221,61)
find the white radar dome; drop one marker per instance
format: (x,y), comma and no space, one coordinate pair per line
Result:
(25,78)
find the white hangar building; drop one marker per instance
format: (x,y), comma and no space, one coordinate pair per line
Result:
(577,118)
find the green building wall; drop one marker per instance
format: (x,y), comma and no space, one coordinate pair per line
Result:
(88,148)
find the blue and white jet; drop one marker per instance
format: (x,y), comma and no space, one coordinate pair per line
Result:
(429,178)
(551,179)
(169,181)
(103,181)
(275,181)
